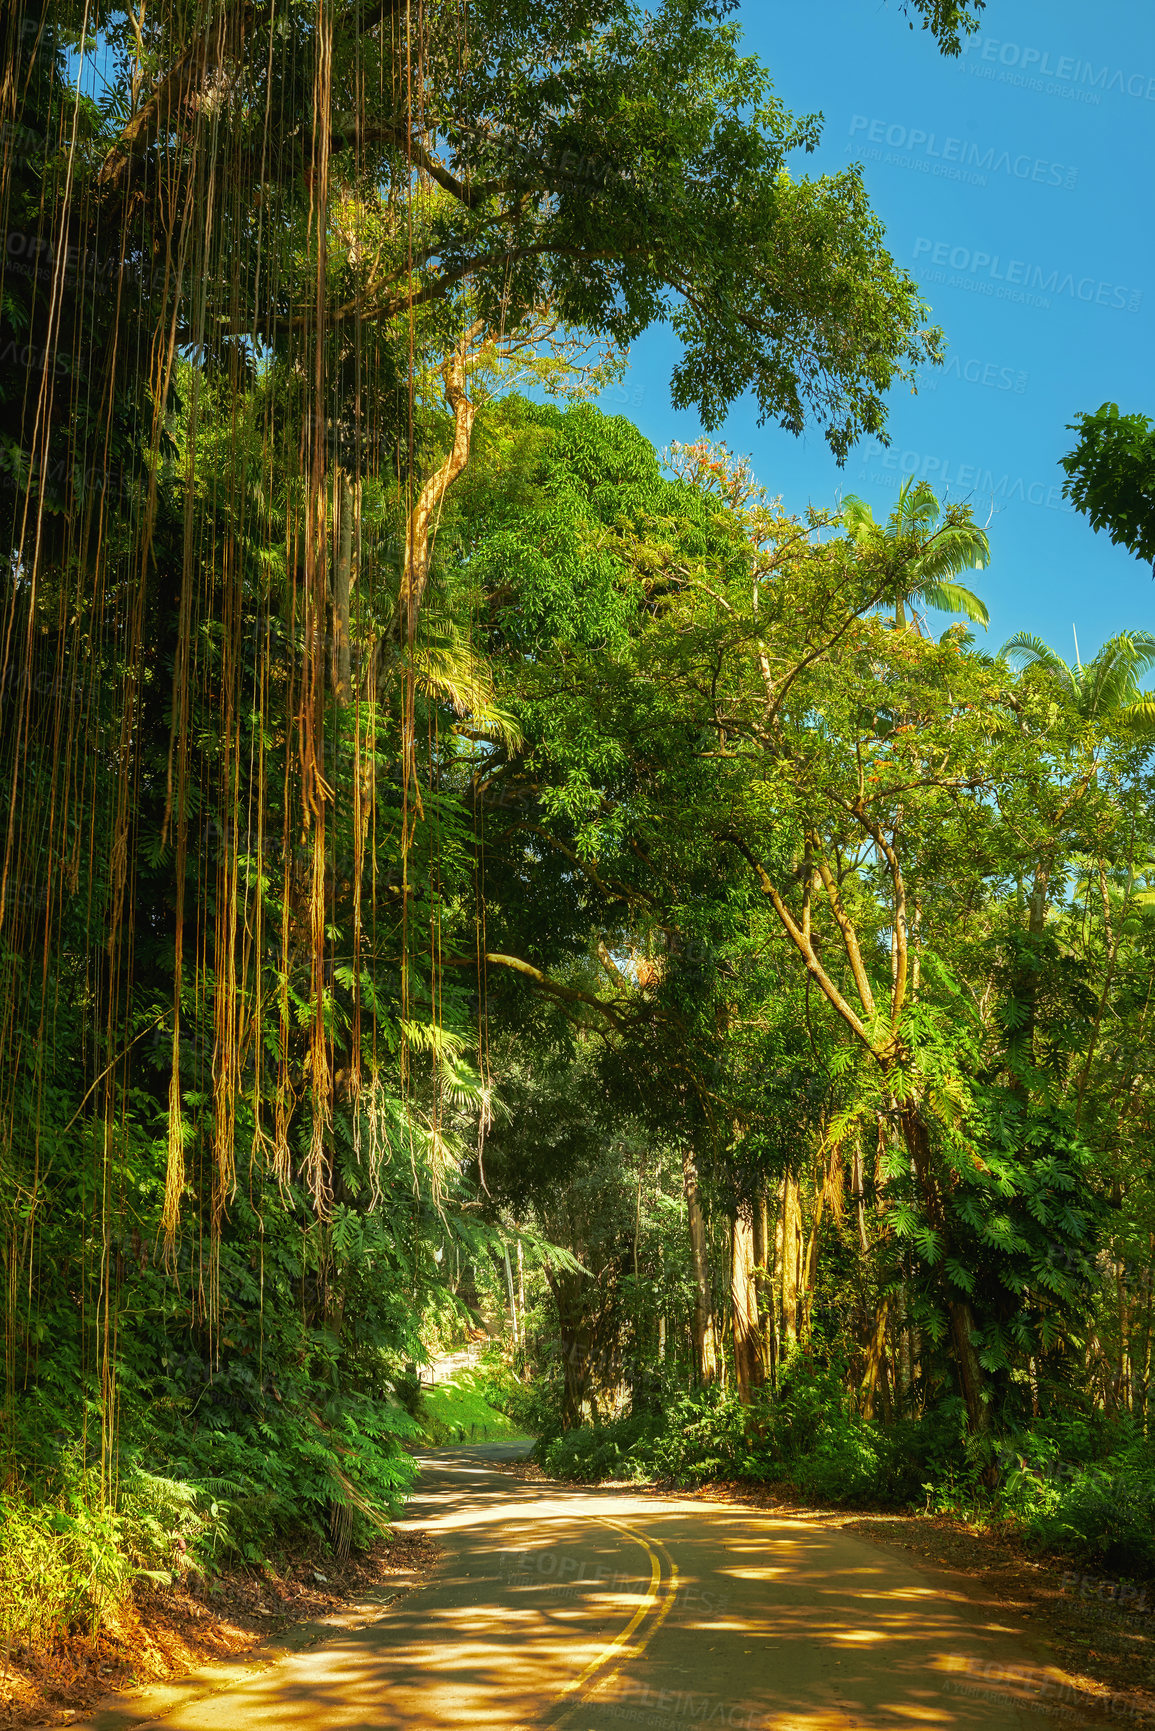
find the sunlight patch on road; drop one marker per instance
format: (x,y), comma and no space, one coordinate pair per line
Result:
(659,1598)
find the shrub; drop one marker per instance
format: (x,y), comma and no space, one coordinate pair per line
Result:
(806,1434)
(618,1450)
(71,1559)
(529,1409)
(702,1437)
(1100,1512)
(1083,1486)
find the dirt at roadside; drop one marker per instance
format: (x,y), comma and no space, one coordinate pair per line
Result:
(164,1632)
(1101,1630)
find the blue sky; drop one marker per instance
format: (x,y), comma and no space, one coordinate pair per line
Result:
(1015,186)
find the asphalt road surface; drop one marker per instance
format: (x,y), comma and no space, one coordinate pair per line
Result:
(598,1610)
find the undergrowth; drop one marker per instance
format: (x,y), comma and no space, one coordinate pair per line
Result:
(69,1557)
(1079,1488)
(468,1407)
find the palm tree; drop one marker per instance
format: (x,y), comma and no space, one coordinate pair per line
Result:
(926,547)
(1107,689)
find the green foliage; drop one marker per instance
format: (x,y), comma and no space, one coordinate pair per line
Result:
(923,548)
(68,1558)
(655,885)
(470,1406)
(1077,1490)
(621,1449)
(807,1438)
(1107,690)
(1111,476)
(1084,1488)
(1103,1516)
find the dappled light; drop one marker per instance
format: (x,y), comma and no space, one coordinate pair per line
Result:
(811,1627)
(526,927)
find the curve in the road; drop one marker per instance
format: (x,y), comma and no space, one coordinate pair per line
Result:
(659,1597)
(596,1610)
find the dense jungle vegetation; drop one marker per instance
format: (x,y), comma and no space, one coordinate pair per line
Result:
(464,870)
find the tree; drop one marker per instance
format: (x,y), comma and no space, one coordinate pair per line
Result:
(1111,477)
(924,548)
(719,716)
(1106,693)
(617,168)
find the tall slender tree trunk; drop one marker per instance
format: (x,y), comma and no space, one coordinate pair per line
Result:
(521,1302)
(858,1190)
(1025,986)
(1145,1380)
(1126,1393)
(509,1294)
(343,589)
(791,1257)
(875,1351)
(829,1191)
(764,1250)
(705,1339)
(749,1370)
(418,539)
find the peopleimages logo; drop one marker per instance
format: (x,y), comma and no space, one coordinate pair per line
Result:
(886,466)
(916,141)
(1033,65)
(972,371)
(1019,280)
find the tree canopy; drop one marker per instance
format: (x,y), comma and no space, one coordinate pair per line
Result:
(469,873)
(1111,477)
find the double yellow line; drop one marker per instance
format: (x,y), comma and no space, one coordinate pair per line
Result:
(632,1641)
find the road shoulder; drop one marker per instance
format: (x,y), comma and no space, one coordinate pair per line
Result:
(170,1645)
(1102,1645)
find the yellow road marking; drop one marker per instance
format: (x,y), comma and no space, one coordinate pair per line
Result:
(656,1552)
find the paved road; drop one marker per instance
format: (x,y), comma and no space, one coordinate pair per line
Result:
(598,1610)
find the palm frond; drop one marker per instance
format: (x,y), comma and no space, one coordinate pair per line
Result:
(1112,678)
(499,724)
(916,510)
(1109,681)
(953,598)
(1139,716)
(858,518)
(1024,649)
(954,548)
(1142,648)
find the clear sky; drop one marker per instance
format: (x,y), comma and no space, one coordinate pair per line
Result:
(1017,185)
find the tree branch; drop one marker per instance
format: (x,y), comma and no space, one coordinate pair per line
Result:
(567,994)
(204,55)
(438,287)
(805,947)
(415,152)
(849,935)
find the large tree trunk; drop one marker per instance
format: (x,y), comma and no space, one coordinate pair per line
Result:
(573,1336)
(748,1366)
(705,1340)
